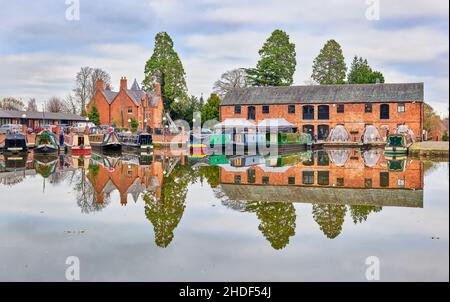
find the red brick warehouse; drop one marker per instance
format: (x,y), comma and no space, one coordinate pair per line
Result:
(119,107)
(316,109)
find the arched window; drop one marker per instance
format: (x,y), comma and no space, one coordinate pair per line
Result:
(308,112)
(384,111)
(324,112)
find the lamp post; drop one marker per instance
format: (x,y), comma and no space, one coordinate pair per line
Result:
(145,125)
(24,122)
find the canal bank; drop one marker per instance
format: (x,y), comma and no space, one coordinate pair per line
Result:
(430,149)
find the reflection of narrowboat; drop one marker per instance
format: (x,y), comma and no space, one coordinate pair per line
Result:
(288,159)
(218,160)
(45,165)
(15,162)
(396,164)
(397,144)
(46,143)
(108,141)
(77,144)
(137,143)
(15,143)
(247,161)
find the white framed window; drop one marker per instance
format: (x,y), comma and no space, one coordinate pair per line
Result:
(401,108)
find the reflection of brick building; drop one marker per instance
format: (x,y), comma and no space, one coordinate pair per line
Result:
(350,177)
(317,109)
(127,104)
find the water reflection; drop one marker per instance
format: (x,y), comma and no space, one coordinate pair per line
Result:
(337,184)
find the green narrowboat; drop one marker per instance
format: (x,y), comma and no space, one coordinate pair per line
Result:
(397,144)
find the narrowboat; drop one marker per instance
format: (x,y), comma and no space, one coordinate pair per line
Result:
(45,165)
(46,143)
(400,141)
(77,144)
(15,143)
(104,141)
(137,143)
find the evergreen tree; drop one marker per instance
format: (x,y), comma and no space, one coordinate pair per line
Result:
(277,64)
(360,213)
(210,111)
(94,115)
(165,67)
(329,66)
(361,73)
(330,218)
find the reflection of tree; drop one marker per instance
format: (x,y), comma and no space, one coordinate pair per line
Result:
(277,221)
(166,213)
(360,213)
(330,218)
(85,192)
(211,174)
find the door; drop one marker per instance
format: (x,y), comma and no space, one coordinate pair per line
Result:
(323,131)
(251,113)
(309,129)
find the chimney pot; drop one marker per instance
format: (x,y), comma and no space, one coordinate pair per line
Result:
(123,83)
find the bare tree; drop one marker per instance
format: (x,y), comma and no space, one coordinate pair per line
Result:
(86,82)
(11,103)
(55,105)
(32,106)
(72,104)
(99,74)
(236,78)
(83,87)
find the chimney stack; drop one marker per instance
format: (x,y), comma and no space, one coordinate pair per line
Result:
(123,83)
(157,89)
(99,84)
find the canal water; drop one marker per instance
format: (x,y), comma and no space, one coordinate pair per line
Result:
(339,215)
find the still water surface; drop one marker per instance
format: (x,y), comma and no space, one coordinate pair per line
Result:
(300,217)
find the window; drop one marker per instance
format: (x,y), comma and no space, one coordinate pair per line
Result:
(265,180)
(401,108)
(400,183)
(237,109)
(384,179)
(324,112)
(130,110)
(340,182)
(291,109)
(291,180)
(251,176)
(237,179)
(323,178)
(308,177)
(323,132)
(322,158)
(308,112)
(265,110)
(158,131)
(309,129)
(340,108)
(384,112)
(368,183)
(251,114)
(368,108)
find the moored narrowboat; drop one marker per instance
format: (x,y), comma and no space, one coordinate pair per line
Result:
(15,143)
(46,143)
(104,141)
(77,144)
(400,141)
(141,143)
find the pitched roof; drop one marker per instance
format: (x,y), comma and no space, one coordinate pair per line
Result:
(41,115)
(109,95)
(347,93)
(135,85)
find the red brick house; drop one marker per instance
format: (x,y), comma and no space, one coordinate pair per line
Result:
(120,107)
(317,109)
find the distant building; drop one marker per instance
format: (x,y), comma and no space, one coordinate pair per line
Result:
(120,108)
(38,119)
(316,109)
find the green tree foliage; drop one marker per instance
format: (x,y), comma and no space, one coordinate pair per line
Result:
(165,67)
(277,64)
(211,110)
(185,110)
(360,213)
(445,136)
(94,115)
(277,221)
(330,218)
(166,213)
(134,124)
(361,73)
(211,174)
(329,66)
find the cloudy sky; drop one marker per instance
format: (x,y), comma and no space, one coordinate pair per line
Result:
(41,51)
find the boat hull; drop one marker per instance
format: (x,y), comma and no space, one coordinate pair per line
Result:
(112,147)
(80,151)
(46,149)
